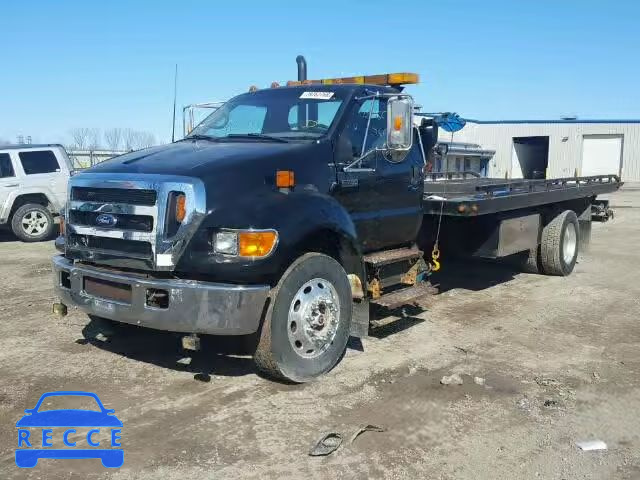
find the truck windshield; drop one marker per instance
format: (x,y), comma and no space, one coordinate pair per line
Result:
(286,113)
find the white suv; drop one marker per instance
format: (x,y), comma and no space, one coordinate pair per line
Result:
(33,188)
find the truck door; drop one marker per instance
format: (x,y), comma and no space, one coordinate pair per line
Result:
(356,188)
(383,198)
(400,186)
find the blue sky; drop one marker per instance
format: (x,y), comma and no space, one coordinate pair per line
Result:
(109,64)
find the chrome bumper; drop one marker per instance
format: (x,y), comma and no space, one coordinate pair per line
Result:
(193,307)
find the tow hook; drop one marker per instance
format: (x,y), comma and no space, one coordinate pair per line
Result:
(59,309)
(191,342)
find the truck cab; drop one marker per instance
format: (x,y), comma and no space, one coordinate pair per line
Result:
(271,218)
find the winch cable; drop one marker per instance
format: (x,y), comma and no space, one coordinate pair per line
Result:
(435,252)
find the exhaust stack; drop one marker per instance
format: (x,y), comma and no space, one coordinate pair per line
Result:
(302,68)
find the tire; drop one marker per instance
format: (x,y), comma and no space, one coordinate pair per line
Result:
(531,263)
(32,222)
(527,261)
(306,326)
(559,245)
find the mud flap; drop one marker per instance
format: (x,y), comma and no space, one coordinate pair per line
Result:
(360,319)
(584,222)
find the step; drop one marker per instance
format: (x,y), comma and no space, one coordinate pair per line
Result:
(386,257)
(405,296)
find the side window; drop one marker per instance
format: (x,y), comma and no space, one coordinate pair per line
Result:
(6,168)
(353,135)
(43,161)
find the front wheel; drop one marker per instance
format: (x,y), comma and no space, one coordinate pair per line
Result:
(307,323)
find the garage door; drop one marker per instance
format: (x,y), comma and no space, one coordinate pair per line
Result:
(601,154)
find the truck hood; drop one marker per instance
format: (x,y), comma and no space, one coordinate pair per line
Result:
(197,158)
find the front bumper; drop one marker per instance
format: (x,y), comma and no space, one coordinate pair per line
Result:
(193,306)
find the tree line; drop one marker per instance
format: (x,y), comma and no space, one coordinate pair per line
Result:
(116,139)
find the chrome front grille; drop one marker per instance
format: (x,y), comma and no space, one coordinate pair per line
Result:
(125,221)
(121,220)
(115,195)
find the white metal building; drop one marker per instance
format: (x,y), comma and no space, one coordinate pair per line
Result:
(551,149)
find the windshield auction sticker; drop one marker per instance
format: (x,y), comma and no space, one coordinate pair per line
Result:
(317,95)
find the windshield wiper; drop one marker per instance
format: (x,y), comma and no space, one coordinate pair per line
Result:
(200,137)
(259,136)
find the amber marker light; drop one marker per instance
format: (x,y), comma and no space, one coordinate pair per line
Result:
(256,243)
(285,179)
(181,207)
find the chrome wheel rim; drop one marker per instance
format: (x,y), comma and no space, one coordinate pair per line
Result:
(569,243)
(34,223)
(314,315)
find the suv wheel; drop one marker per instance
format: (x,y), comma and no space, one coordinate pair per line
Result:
(32,223)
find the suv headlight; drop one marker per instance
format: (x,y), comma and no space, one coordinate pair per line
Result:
(245,243)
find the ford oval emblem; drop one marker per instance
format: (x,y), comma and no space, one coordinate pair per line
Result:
(106,220)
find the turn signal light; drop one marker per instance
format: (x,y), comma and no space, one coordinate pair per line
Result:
(61,225)
(181,207)
(285,179)
(397,123)
(256,244)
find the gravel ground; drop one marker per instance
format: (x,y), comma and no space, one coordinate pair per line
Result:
(559,358)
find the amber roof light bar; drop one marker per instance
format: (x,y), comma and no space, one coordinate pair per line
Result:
(392,79)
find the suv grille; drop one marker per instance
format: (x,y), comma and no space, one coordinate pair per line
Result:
(114,195)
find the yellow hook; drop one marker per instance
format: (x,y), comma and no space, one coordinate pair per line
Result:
(435,255)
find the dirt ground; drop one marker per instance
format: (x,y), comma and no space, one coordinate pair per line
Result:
(560,359)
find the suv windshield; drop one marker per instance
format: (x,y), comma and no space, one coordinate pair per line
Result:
(288,113)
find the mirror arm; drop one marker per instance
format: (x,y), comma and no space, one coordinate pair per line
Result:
(424,157)
(366,133)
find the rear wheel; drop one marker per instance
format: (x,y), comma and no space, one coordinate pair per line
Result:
(32,223)
(559,245)
(306,326)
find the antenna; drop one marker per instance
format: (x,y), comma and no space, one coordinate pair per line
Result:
(175,94)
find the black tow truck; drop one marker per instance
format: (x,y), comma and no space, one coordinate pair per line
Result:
(289,213)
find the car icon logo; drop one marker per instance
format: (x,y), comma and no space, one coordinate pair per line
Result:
(84,432)
(106,220)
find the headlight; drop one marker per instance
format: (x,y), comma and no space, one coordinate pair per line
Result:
(245,243)
(226,243)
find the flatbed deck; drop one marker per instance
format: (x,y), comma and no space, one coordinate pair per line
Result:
(482,196)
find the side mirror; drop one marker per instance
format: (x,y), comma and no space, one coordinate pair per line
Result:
(399,124)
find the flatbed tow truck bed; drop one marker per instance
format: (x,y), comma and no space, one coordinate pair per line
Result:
(482,196)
